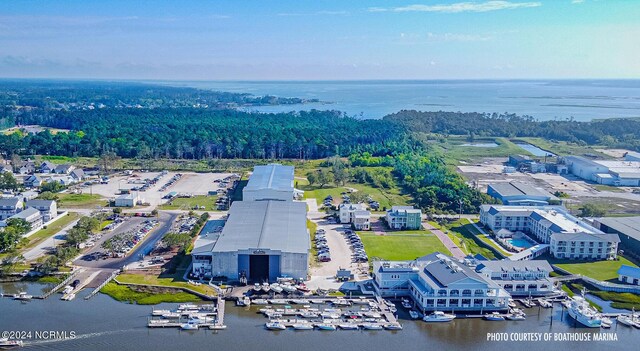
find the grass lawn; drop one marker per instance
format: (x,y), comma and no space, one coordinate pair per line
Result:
(484,238)
(170,281)
(51,229)
(600,270)
(614,189)
(188,203)
(127,294)
(464,231)
(405,245)
(66,200)
(564,148)
(386,197)
(453,149)
(312,226)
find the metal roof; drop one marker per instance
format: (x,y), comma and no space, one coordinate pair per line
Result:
(518,189)
(629,271)
(272,176)
(9,202)
(268,225)
(629,226)
(508,265)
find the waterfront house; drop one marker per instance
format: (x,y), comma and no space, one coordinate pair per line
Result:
(519,278)
(629,275)
(404,217)
(10,206)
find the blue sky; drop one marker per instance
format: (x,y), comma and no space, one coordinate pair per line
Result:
(321,39)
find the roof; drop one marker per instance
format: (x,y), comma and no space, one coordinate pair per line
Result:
(9,202)
(39,203)
(614,238)
(353,207)
(273,176)
(518,189)
(362,214)
(508,265)
(78,172)
(444,271)
(629,271)
(28,212)
(269,225)
(48,164)
(556,218)
(629,226)
(406,209)
(582,161)
(130,196)
(633,155)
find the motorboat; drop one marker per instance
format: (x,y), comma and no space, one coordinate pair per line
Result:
(189,326)
(414,314)
(171,315)
(325,326)
(289,288)
(545,303)
(330,315)
(279,302)
(68,297)
(406,304)
(439,316)
(626,320)
(259,302)
(22,296)
(352,315)
(393,326)
(393,309)
(257,288)
(348,326)
(67,289)
(493,316)
(583,313)
(275,326)
(158,313)
(265,287)
(361,301)
(6,343)
(299,301)
(566,303)
(512,304)
(276,288)
(341,302)
(187,306)
(309,315)
(372,326)
(515,317)
(302,288)
(303,326)
(244,301)
(372,314)
(605,322)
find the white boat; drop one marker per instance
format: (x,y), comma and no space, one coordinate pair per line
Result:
(6,343)
(372,314)
(372,326)
(512,304)
(341,302)
(23,296)
(393,326)
(493,316)
(257,288)
(605,322)
(325,326)
(439,316)
(303,326)
(330,315)
(187,306)
(275,326)
(289,288)
(583,313)
(276,288)
(259,302)
(515,317)
(67,289)
(244,301)
(348,326)
(299,301)
(406,304)
(309,315)
(278,302)
(393,309)
(566,303)
(361,301)
(265,287)
(189,326)
(159,312)
(414,314)
(545,303)
(68,297)
(171,315)
(626,320)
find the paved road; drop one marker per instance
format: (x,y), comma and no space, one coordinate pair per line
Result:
(165,219)
(51,242)
(446,241)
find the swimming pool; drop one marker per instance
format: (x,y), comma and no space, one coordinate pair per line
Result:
(522,243)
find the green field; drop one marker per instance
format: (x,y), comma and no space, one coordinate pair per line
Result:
(564,148)
(312,227)
(464,232)
(66,200)
(386,197)
(189,203)
(400,246)
(169,281)
(126,294)
(600,270)
(453,150)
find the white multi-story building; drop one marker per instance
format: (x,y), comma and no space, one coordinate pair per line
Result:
(438,282)
(568,236)
(48,208)
(357,215)
(519,278)
(10,206)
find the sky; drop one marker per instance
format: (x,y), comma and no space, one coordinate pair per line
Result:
(320,39)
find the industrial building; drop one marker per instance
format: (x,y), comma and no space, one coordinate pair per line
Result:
(627,228)
(270,182)
(520,194)
(616,173)
(261,241)
(127,200)
(568,236)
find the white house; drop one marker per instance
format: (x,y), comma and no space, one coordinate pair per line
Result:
(629,275)
(361,220)
(48,208)
(349,212)
(32,181)
(77,175)
(10,206)
(63,169)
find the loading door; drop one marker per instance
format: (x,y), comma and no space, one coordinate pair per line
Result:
(259,268)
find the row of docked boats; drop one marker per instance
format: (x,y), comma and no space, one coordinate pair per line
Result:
(340,302)
(279,288)
(278,325)
(326,313)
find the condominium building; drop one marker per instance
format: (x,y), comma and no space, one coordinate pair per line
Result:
(519,278)
(568,236)
(10,206)
(404,217)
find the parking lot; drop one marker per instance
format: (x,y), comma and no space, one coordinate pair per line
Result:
(188,182)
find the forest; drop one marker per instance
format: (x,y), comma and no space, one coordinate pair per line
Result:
(613,132)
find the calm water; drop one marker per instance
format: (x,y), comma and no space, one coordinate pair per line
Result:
(536,151)
(580,99)
(104,324)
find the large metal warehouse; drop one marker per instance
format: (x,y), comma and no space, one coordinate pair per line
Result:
(262,240)
(270,182)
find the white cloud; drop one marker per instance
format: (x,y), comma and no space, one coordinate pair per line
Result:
(460,7)
(577,1)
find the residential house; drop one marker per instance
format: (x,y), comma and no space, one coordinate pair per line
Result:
(348,215)
(48,208)
(10,206)
(32,181)
(78,175)
(629,275)
(63,169)
(361,220)
(47,167)
(6,169)
(404,217)
(31,215)
(27,167)
(519,278)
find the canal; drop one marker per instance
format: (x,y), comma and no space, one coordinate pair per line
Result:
(104,324)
